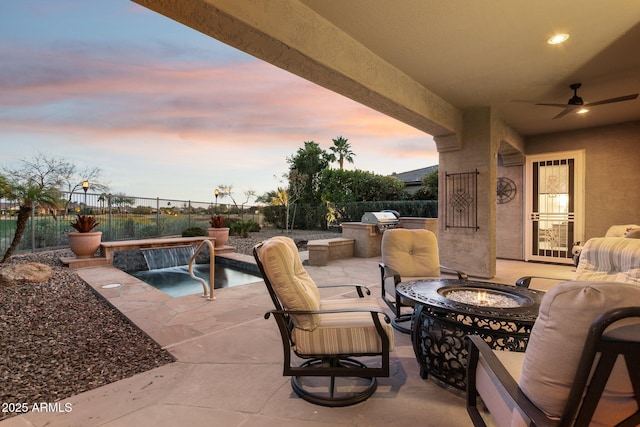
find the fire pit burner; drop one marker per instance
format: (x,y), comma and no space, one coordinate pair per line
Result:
(482,297)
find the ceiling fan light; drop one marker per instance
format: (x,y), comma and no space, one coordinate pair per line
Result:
(558,38)
(582,111)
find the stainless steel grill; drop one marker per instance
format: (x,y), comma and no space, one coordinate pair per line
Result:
(383,220)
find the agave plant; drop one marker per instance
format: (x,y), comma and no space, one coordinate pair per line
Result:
(85,223)
(217,221)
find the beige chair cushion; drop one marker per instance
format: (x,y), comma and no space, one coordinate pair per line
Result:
(494,395)
(412,253)
(291,282)
(343,333)
(557,340)
(610,259)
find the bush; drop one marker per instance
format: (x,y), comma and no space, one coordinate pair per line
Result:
(243,228)
(194,231)
(352,212)
(275,216)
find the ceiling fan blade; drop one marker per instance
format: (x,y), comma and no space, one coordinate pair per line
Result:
(553,105)
(567,110)
(610,100)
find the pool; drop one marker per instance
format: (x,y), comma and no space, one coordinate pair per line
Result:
(177,282)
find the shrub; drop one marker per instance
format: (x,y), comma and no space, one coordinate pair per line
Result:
(243,228)
(194,231)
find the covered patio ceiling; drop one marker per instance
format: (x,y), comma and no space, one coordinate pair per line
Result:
(450,56)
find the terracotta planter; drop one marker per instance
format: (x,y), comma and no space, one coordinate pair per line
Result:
(85,245)
(221,235)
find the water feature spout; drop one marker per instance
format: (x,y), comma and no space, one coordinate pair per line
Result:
(174,256)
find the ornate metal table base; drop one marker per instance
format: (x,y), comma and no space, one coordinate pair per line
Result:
(440,325)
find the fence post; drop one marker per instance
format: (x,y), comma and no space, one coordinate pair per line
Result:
(33,230)
(109,228)
(189,216)
(158,216)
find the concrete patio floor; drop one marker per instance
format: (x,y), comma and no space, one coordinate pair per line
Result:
(229,362)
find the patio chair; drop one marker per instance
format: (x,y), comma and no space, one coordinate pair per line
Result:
(580,366)
(328,334)
(408,254)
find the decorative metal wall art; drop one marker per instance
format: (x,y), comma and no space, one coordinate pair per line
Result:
(505,190)
(461,209)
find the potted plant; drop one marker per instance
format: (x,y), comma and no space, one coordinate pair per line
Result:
(218,230)
(84,242)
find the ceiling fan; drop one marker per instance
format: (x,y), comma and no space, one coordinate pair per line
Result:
(576,102)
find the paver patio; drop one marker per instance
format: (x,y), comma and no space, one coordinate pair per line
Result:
(229,362)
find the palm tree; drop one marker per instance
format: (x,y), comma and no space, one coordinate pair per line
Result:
(4,186)
(29,196)
(342,149)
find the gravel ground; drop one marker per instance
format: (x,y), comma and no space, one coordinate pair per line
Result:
(60,338)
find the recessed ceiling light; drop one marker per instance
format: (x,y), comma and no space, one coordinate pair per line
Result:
(558,38)
(582,111)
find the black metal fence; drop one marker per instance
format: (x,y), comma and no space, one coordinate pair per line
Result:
(120,218)
(129,217)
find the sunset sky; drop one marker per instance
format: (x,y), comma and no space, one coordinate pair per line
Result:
(166,111)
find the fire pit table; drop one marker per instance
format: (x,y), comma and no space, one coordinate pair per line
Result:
(446,310)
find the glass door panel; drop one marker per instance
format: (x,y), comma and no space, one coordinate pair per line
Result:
(552,208)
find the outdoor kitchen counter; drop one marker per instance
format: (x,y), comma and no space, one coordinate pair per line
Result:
(440,323)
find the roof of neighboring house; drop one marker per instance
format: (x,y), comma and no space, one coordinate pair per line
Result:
(414,177)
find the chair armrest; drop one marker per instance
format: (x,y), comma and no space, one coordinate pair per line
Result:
(373,312)
(496,370)
(525,281)
(358,288)
(387,272)
(461,275)
(478,346)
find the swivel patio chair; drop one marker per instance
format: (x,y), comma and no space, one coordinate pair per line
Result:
(329,334)
(580,367)
(408,254)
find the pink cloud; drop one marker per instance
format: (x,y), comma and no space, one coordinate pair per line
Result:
(104,95)
(181,113)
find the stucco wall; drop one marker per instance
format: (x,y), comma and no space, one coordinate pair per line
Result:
(509,219)
(471,250)
(612,161)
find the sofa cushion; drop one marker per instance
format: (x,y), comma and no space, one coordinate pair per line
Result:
(343,333)
(290,281)
(611,259)
(411,252)
(557,340)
